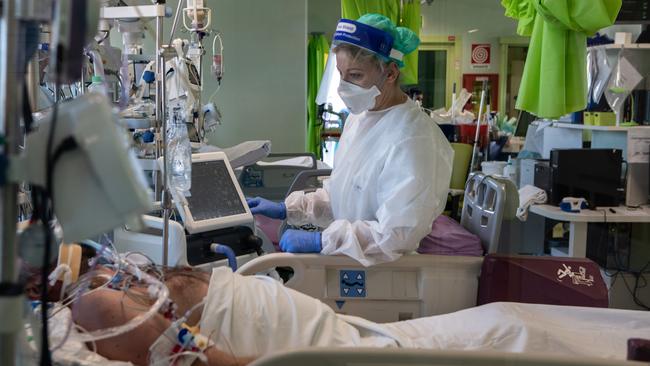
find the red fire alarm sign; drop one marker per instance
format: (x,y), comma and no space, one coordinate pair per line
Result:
(481,54)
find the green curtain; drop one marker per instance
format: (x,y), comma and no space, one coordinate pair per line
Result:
(353,9)
(316,58)
(412,20)
(554,82)
(407,16)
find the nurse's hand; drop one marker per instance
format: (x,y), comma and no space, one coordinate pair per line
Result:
(299,241)
(270,209)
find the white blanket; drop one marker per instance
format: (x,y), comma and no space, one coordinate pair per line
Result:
(255,316)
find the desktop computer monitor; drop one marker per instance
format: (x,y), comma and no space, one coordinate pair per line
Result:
(592,174)
(523,121)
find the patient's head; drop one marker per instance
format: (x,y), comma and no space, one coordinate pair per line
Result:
(186,286)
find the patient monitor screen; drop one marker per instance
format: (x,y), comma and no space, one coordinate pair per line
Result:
(213,192)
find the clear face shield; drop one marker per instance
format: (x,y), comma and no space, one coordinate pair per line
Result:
(356,68)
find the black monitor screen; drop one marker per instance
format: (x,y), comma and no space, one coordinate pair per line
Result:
(213,192)
(523,121)
(634,12)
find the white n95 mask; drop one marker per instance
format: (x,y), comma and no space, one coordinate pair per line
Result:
(356,98)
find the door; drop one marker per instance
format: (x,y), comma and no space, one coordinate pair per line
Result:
(432,77)
(473,83)
(516,62)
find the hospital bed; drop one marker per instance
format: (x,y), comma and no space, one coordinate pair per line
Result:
(423,285)
(411,357)
(411,287)
(573,351)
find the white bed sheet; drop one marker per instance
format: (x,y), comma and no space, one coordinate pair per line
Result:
(529,328)
(241,309)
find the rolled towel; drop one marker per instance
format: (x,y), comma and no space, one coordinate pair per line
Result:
(528,196)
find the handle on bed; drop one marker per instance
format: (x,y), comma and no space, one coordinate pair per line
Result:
(300,183)
(270,261)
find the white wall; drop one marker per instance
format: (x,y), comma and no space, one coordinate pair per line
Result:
(457,17)
(264,89)
(323,15)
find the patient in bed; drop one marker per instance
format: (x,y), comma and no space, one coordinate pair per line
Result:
(248,317)
(111,307)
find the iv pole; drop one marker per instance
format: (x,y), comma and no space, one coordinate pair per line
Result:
(162,53)
(11,298)
(476,149)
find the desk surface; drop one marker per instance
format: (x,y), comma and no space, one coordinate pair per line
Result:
(601,214)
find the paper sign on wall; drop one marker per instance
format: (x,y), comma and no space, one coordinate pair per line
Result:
(638,145)
(481,53)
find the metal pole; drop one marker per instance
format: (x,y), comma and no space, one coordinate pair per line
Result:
(198,39)
(175,23)
(159,112)
(453,105)
(162,123)
(166,199)
(33,82)
(9,127)
(486,149)
(476,148)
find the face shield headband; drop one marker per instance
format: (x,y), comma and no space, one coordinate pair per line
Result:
(366,37)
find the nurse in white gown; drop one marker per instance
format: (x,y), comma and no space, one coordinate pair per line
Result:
(392,166)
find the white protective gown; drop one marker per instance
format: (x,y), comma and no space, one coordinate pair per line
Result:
(256,316)
(390,180)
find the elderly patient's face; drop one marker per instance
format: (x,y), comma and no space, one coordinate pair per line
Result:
(360,71)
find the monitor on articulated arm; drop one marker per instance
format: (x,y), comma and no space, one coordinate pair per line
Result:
(97,184)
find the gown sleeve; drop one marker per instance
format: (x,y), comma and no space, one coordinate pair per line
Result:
(412,191)
(310,208)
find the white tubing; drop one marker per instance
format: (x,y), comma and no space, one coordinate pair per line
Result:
(98,66)
(155,287)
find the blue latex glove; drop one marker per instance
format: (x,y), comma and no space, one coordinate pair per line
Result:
(299,241)
(264,207)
